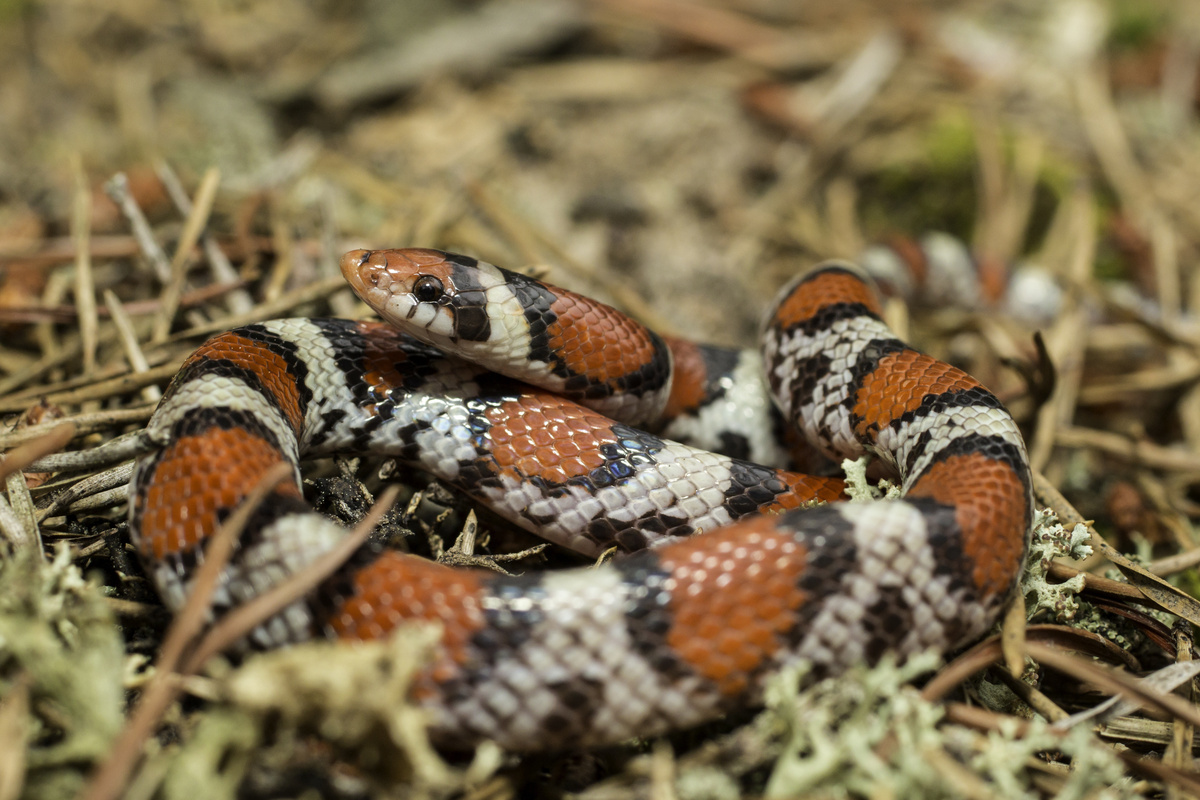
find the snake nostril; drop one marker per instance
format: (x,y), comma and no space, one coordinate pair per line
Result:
(366,256)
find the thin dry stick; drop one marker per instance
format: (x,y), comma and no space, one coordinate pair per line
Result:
(1034,698)
(964,782)
(13,530)
(20,521)
(1103,127)
(1133,451)
(61,250)
(111,777)
(1068,340)
(1149,767)
(862,77)
(34,370)
(192,229)
(128,336)
(117,188)
(285,257)
(1113,681)
(1165,251)
(100,389)
(114,478)
(1179,753)
(35,393)
(57,286)
(977,659)
(239,300)
(22,505)
(1027,164)
(84,423)
(999,190)
(1012,636)
(85,286)
(1177,563)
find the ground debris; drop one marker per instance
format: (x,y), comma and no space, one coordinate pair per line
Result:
(172,170)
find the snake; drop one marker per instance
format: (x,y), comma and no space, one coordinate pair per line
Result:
(551,409)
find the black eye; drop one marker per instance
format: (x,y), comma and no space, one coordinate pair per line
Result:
(427,289)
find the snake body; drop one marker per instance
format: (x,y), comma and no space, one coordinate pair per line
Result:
(722,590)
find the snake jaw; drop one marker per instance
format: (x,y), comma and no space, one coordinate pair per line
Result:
(387,279)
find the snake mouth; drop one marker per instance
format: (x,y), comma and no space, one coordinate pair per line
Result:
(363,272)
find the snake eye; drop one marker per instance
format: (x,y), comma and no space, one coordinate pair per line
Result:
(428,289)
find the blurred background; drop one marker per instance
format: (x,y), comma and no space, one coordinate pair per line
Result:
(171,169)
(689,150)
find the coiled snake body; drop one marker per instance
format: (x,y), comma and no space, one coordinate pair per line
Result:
(721,590)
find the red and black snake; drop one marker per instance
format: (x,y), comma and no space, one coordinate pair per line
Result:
(732,575)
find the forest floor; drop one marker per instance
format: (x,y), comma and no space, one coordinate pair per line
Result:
(171,170)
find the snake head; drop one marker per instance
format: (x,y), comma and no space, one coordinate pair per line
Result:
(437,297)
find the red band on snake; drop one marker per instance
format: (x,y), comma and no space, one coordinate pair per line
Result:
(721,592)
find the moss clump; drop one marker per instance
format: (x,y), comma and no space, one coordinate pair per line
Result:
(867,733)
(62,667)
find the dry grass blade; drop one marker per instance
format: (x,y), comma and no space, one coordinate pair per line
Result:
(1078,640)
(129,341)
(109,780)
(192,229)
(119,448)
(975,660)
(283,304)
(1157,590)
(117,188)
(1012,636)
(85,285)
(965,782)
(239,300)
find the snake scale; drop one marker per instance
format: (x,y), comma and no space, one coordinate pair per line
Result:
(547,407)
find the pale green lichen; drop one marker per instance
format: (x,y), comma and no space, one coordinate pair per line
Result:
(1117,630)
(831,729)
(1050,541)
(57,639)
(860,489)
(867,733)
(214,757)
(706,783)
(1095,772)
(355,697)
